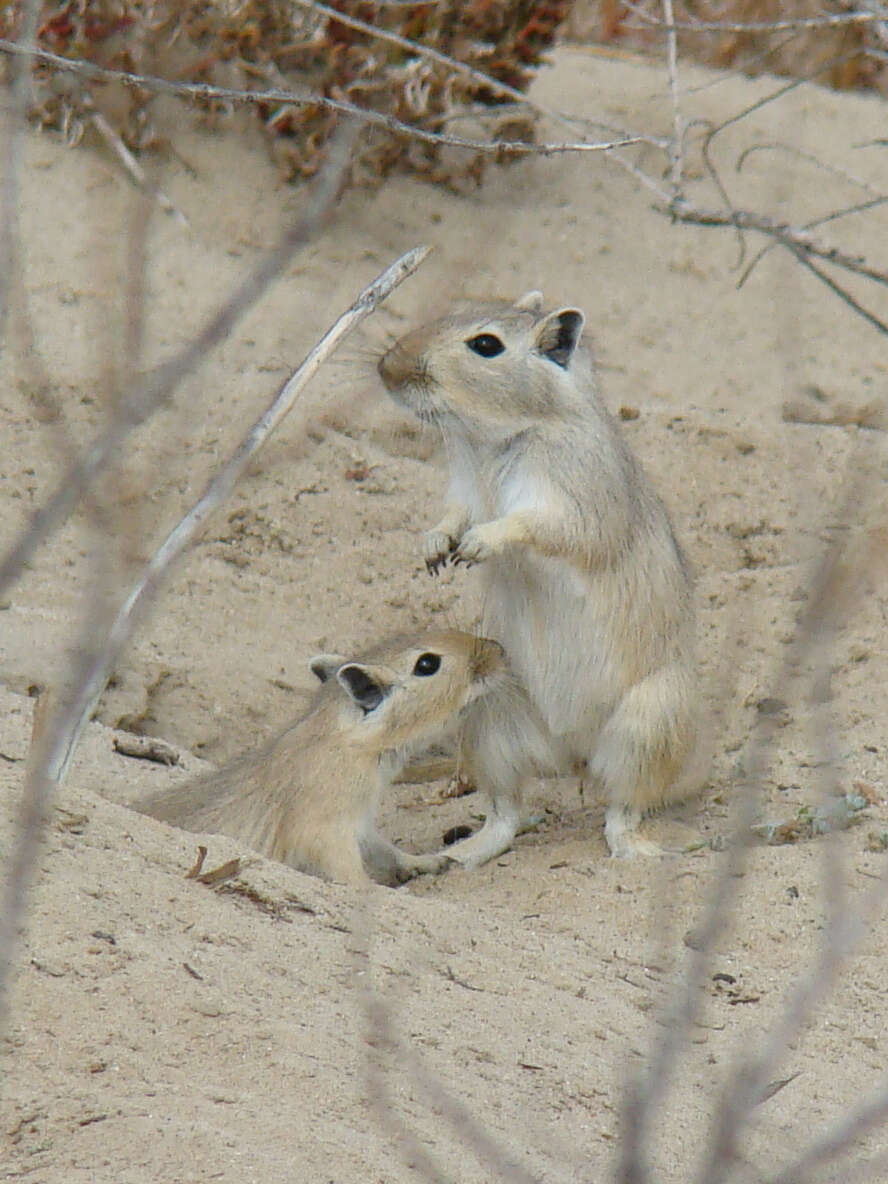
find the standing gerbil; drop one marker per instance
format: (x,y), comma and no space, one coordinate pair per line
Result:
(309,796)
(585,583)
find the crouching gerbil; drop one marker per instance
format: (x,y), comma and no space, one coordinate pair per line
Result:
(309,796)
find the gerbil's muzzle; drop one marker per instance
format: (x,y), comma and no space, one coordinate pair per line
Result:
(397,368)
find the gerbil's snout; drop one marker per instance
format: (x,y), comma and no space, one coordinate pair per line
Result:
(404,365)
(397,368)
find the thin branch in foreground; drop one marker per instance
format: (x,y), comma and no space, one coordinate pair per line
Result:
(19,90)
(493,1157)
(836,20)
(831,590)
(129,162)
(217,491)
(812,158)
(135,407)
(796,239)
(93,652)
(97,660)
(834,591)
(868,1115)
(379,1096)
(842,293)
(676,143)
(833,216)
(645,1092)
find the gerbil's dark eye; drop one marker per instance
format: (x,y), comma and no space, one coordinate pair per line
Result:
(427,664)
(486,344)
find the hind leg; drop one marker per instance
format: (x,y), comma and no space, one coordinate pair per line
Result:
(495,836)
(641,753)
(621,834)
(503,743)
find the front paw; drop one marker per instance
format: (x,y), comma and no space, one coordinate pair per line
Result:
(475,546)
(437,548)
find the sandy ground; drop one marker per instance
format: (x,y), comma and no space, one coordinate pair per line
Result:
(163,1030)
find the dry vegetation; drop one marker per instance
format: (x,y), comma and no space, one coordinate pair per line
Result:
(479,57)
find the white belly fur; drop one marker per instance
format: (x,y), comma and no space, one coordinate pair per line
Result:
(557,626)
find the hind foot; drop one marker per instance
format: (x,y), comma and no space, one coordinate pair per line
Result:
(621,833)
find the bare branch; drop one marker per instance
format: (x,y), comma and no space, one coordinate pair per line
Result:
(156,387)
(833,216)
(743,67)
(675,144)
(129,162)
(832,593)
(417,49)
(795,239)
(95,652)
(16,118)
(643,1094)
(866,1117)
(96,661)
(841,292)
(473,1133)
(503,149)
(836,20)
(800,154)
(706,149)
(218,490)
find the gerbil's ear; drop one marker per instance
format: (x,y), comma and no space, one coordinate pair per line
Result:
(324,666)
(363,686)
(558,335)
(530,302)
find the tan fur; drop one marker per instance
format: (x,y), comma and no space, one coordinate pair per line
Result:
(585,583)
(309,796)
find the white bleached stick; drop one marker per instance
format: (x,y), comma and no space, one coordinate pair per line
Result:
(50,761)
(219,488)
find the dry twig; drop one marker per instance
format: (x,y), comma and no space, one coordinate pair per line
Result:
(94,667)
(152,391)
(97,651)
(218,491)
(832,21)
(501,149)
(19,90)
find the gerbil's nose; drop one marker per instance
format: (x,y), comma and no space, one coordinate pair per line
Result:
(395,368)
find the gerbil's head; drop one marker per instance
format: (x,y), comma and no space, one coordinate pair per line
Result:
(496,365)
(407,693)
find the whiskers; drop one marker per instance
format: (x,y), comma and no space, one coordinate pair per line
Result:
(364,349)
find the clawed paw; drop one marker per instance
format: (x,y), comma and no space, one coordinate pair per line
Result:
(472,548)
(438,548)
